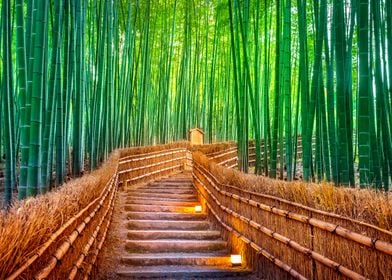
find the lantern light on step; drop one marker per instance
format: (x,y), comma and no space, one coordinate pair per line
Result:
(198,208)
(236,260)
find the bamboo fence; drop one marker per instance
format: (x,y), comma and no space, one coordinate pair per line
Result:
(280,238)
(153,162)
(71,251)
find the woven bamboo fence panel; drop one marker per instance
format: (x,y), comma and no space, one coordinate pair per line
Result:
(153,162)
(281,239)
(224,154)
(71,252)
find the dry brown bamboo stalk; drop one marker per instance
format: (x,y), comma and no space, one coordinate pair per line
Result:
(228,152)
(149,166)
(232,166)
(210,155)
(159,150)
(64,247)
(92,239)
(154,172)
(99,247)
(227,160)
(313,210)
(141,157)
(296,246)
(54,236)
(257,248)
(138,154)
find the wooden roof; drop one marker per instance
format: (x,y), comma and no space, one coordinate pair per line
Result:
(196,129)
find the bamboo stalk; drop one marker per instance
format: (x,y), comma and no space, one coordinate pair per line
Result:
(232,166)
(154,172)
(150,165)
(99,247)
(231,151)
(92,239)
(151,155)
(228,160)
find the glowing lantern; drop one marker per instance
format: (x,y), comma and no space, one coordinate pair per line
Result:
(236,260)
(198,208)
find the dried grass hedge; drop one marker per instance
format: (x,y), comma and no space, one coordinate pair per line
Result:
(30,223)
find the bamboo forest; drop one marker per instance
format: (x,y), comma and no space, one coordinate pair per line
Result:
(309,82)
(196,139)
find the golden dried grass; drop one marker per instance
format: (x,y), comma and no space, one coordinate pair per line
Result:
(31,222)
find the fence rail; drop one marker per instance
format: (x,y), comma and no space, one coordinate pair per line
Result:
(143,167)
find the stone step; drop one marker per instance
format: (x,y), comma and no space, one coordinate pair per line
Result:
(148,200)
(159,208)
(162,191)
(162,195)
(174,246)
(221,259)
(168,225)
(190,198)
(183,272)
(165,216)
(173,182)
(162,202)
(169,185)
(176,180)
(174,234)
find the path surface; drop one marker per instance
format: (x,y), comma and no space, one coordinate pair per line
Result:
(166,238)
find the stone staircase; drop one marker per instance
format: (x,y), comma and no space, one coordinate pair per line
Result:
(166,238)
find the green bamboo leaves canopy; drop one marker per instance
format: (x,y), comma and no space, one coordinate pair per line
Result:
(81,78)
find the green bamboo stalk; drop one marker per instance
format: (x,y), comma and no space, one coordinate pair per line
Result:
(8,104)
(22,80)
(364,96)
(35,149)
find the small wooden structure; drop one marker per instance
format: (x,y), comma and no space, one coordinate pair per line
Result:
(196,136)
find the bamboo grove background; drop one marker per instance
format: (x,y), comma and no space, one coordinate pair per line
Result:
(81,78)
